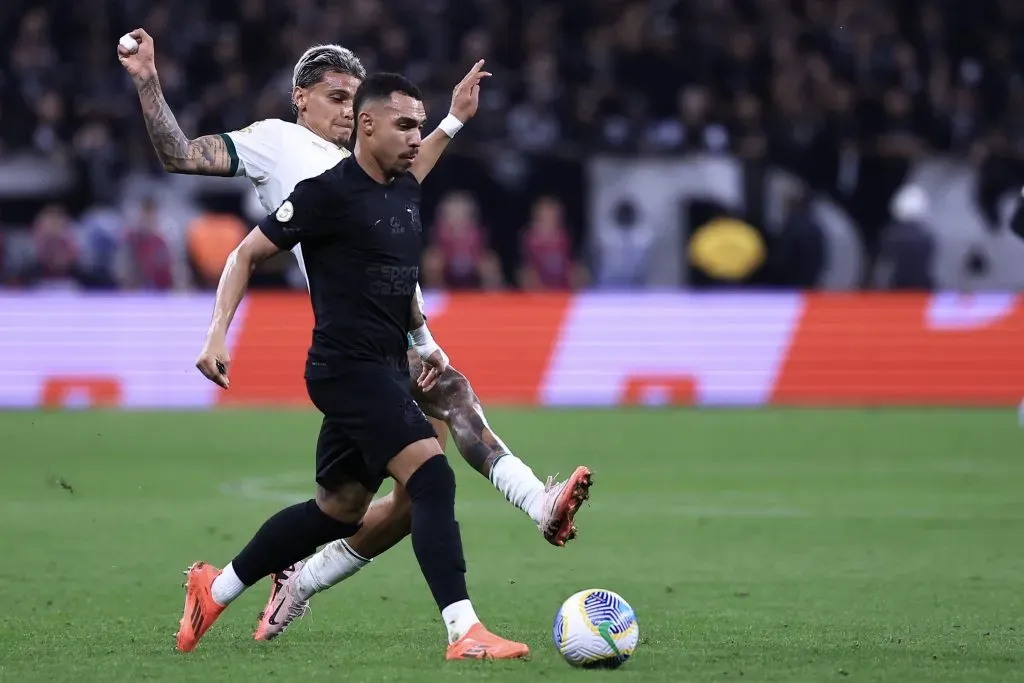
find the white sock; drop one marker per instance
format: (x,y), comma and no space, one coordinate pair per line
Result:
(459,617)
(331,565)
(519,485)
(227,586)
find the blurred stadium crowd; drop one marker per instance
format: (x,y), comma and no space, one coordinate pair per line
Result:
(846,95)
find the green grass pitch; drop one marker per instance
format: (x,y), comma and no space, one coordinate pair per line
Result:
(765,545)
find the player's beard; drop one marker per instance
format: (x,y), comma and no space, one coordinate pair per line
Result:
(343,139)
(404,163)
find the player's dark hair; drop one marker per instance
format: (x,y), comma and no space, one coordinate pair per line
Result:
(381,86)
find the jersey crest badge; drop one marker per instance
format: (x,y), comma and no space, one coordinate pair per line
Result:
(285,212)
(414,216)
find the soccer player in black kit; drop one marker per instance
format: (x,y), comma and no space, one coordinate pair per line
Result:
(358,224)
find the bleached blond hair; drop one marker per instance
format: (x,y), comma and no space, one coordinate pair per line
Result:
(319,59)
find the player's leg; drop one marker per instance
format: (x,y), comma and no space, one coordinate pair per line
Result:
(437,543)
(285,538)
(385,524)
(395,437)
(387,521)
(338,462)
(551,506)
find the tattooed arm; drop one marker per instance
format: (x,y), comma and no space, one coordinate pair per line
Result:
(208,155)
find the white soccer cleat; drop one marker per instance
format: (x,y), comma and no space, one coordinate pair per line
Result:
(284,605)
(561,502)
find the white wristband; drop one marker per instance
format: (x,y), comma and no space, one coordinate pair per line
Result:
(450,125)
(423,342)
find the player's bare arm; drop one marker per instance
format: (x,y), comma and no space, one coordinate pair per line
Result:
(207,155)
(433,361)
(465,101)
(214,360)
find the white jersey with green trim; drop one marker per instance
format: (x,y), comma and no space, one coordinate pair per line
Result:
(276,156)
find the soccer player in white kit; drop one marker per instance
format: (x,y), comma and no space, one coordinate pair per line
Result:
(276,155)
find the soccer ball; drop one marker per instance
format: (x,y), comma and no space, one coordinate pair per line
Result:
(596,629)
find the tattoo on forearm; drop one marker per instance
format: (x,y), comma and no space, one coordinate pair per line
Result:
(454,401)
(207,155)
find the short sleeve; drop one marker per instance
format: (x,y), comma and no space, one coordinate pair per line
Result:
(421,304)
(310,210)
(254,150)
(419,299)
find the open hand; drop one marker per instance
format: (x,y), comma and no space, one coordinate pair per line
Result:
(466,95)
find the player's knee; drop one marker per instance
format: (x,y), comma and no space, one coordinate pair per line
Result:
(455,394)
(433,481)
(321,527)
(345,504)
(462,389)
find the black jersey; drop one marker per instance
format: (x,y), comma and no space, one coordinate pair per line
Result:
(361,243)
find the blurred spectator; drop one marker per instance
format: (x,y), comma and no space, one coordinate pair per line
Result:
(844,94)
(149,262)
(97,157)
(211,239)
(100,232)
(907,246)
(54,258)
(700,133)
(52,130)
(458,256)
(624,248)
(547,254)
(799,255)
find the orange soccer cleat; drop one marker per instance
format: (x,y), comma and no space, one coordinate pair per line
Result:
(200,608)
(479,643)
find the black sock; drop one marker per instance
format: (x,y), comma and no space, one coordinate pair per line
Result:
(435,533)
(289,536)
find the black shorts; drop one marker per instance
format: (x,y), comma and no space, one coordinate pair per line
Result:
(370,416)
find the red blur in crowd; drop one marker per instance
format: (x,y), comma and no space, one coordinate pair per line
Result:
(54,249)
(459,256)
(151,263)
(546,249)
